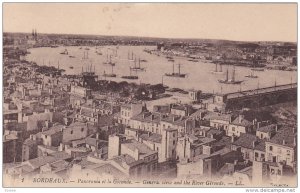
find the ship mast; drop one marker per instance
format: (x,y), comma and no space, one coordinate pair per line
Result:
(233,74)
(139,63)
(173,67)
(179,68)
(226,79)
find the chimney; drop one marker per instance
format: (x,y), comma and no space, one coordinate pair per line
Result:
(149,134)
(174,118)
(97,136)
(144,116)
(276,128)
(283,142)
(254,143)
(232,138)
(241,117)
(61,147)
(235,162)
(295,140)
(47,124)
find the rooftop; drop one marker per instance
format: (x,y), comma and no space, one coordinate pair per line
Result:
(285,137)
(134,145)
(246,140)
(156,138)
(267,128)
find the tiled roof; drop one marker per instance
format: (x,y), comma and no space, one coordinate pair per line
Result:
(142,148)
(53,130)
(267,128)
(241,122)
(217,116)
(246,140)
(127,159)
(261,146)
(147,117)
(40,161)
(175,120)
(109,169)
(285,134)
(153,137)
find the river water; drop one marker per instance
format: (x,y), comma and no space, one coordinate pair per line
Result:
(199,74)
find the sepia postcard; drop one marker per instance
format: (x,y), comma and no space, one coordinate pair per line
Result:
(149,95)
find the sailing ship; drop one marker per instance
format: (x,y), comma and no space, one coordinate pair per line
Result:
(138,68)
(251,75)
(87,48)
(218,71)
(232,80)
(176,74)
(130,76)
(65,52)
(111,74)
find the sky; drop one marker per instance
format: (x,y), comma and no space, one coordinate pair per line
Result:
(242,22)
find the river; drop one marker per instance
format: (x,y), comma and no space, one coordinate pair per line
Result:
(199,74)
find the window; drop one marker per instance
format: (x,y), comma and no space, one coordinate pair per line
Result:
(279,172)
(82,129)
(72,132)
(256,154)
(174,142)
(46,136)
(233,128)
(173,134)
(271,148)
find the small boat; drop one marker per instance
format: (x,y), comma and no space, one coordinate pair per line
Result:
(111,74)
(87,48)
(65,52)
(176,74)
(130,76)
(71,56)
(54,46)
(258,69)
(71,67)
(80,48)
(251,75)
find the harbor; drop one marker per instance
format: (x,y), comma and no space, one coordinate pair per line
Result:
(201,74)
